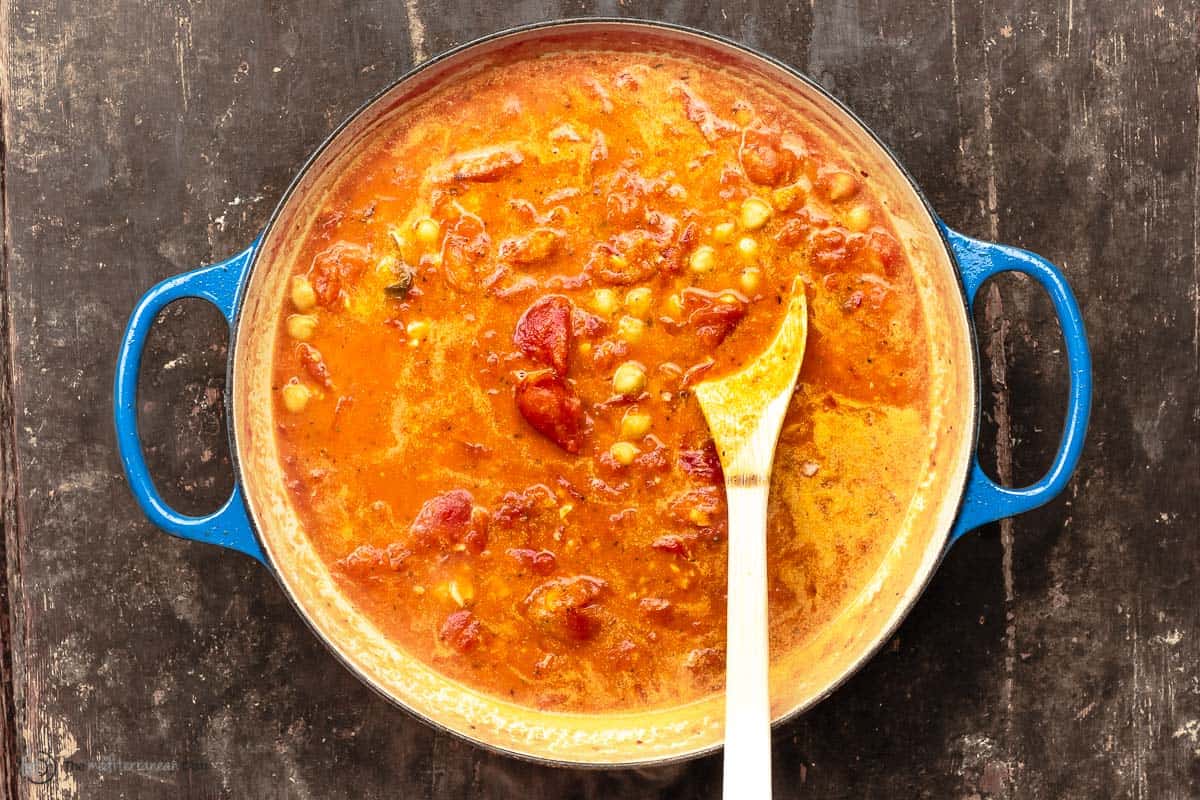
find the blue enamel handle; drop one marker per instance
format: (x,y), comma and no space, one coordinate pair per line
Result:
(229,525)
(984,500)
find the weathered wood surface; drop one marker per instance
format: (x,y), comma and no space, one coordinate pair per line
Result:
(1054,656)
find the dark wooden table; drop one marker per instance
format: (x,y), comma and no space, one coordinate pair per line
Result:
(1054,656)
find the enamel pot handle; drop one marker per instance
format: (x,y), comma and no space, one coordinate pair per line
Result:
(219,284)
(984,500)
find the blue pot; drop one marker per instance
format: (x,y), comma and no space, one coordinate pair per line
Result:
(973,498)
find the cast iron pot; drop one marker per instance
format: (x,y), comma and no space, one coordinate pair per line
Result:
(955,495)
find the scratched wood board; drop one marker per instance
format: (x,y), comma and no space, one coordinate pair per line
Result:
(1054,655)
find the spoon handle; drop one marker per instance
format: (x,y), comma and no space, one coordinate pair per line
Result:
(747,698)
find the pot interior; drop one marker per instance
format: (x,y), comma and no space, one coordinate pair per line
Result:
(799,678)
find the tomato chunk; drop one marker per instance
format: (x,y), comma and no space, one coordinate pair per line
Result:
(549,404)
(703,464)
(544,332)
(314,364)
(335,268)
(462,631)
(675,545)
(465,246)
(764,160)
(367,560)
(449,519)
(537,245)
(567,608)
(713,316)
(540,561)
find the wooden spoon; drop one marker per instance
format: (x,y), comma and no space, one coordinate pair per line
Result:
(745,411)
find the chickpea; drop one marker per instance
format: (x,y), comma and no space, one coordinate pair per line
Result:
(703,259)
(624,453)
(750,279)
(723,232)
(301,326)
(699,518)
(629,379)
(858,219)
(842,185)
(303,296)
(295,396)
(631,329)
(755,213)
(747,247)
(637,301)
(635,425)
(427,230)
(604,301)
(675,305)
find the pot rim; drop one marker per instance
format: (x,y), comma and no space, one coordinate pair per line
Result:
(917,587)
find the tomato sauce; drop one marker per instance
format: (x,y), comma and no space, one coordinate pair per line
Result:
(484,370)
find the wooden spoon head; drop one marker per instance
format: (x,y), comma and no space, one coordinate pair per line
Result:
(741,406)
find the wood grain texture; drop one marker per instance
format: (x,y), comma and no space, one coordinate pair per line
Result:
(1053,657)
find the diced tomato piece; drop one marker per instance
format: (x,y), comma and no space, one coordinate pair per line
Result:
(314,364)
(333,269)
(675,545)
(368,561)
(465,245)
(522,506)
(540,561)
(798,227)
(657,608)
(461,631)
(450,519)
(514,507)
(567,608)
(586,325)
(550,405)
(676,254)
(712,316)
(703,464)
(628,257)
(625,205)
(544,332)
(764,159)
(537,245)
(829,251)
(609,352)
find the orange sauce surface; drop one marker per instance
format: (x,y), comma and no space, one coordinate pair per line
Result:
(484,368)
